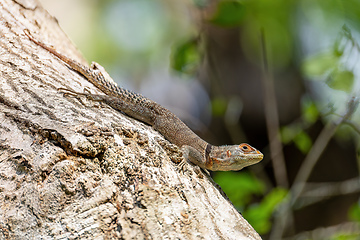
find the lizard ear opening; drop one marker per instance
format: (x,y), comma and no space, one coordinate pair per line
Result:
(228,153)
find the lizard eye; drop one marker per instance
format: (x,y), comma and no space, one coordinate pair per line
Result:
(245,147)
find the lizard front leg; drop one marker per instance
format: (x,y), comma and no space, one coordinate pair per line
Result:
(194,156)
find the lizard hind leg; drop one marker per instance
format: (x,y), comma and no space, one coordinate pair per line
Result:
(70,92)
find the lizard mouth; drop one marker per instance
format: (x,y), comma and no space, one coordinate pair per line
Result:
(259,156)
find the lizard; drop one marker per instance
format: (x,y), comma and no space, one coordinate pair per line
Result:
(194,149)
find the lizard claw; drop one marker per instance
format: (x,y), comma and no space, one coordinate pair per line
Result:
(68,91)
(181,166)
(87,90)
(71,92)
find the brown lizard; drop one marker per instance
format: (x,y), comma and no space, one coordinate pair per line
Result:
(195,149)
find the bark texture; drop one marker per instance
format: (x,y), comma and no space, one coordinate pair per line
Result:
(70,168)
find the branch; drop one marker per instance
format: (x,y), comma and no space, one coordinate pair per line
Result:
(272,121)
(316,192)
(318,148)
(282,217)
(349,228)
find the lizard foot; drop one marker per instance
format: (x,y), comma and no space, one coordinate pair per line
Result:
(181,167)
(71,92)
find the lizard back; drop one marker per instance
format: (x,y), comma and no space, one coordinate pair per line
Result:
(135,104)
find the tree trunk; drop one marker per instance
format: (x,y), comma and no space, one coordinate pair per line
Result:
(72,168)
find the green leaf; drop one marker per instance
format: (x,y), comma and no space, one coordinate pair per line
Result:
(354,213)
(310,112)
(229,14)
(320,64)
(288,133)
(341,80)
(345,236)
(218,106)
(303,142)
(186,57)
(259,215)
(239,187)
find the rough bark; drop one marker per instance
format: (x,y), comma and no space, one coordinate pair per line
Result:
(70,168)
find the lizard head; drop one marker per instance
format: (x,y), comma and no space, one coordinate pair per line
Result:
(232,158)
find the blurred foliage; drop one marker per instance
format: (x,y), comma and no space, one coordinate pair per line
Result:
(274,18)
(354,215)
(309,111)
(296,132)
(229,13)
(132,38)
(241,187)
(186,57)
(219,106)
(329,67)
(259,215)
(345,236)
(341,80)
(320,64)
(303,142)
(354,212)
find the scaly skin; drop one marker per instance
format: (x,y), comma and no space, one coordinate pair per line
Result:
(195,149)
